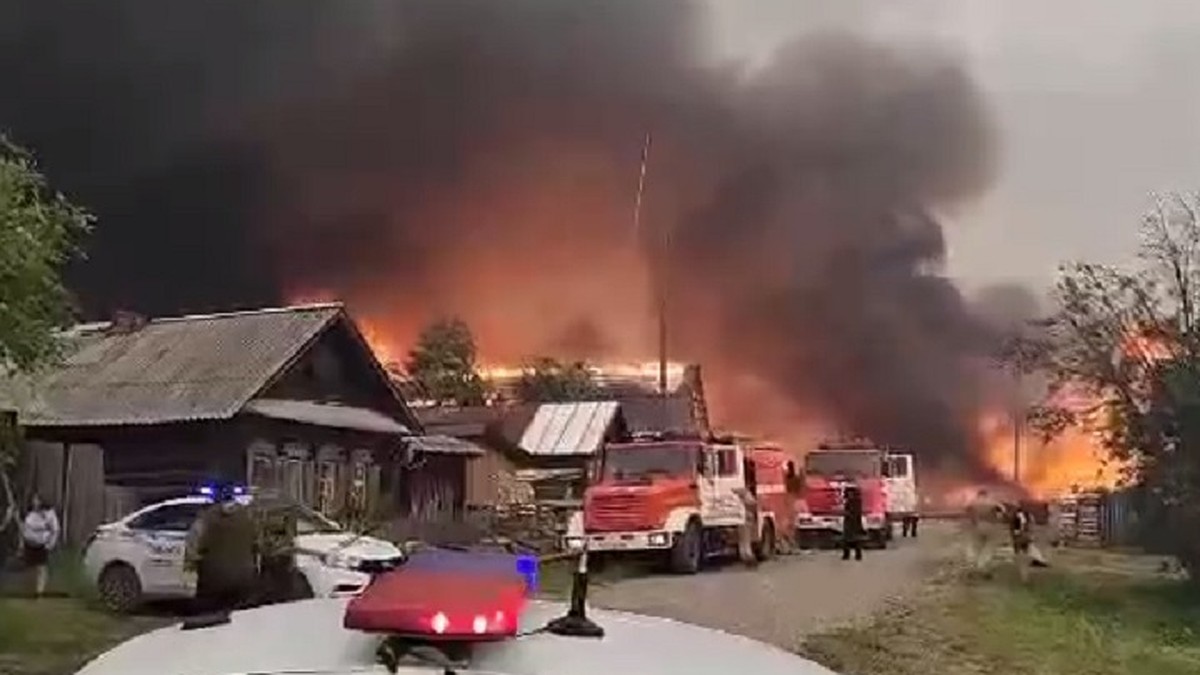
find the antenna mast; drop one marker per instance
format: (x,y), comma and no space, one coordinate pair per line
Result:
(657,259)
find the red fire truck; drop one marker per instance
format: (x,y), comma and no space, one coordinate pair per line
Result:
(828,470)
(679,496)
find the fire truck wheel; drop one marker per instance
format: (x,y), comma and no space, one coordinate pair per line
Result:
(686,553)
(766,547)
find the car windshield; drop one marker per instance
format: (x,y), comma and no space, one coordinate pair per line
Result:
(858,464)
(625,463)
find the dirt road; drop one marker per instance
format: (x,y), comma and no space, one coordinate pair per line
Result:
(788,598)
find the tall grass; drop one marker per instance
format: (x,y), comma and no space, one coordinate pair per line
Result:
(1063,622)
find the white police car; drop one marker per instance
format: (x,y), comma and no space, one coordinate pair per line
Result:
(141,556)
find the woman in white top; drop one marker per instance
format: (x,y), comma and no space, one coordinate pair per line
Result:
(40,532)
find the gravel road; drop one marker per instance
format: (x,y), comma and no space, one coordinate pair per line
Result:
(787,598)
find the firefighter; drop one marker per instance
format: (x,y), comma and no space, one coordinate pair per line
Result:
(1019,526)
(277,561)
(852,522)
(749,527)
(222,550)
(982,516)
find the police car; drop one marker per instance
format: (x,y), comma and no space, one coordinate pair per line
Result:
(141,556)
(429,618)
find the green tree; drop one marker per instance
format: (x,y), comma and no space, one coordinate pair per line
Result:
(1130,340)
(39,231)
(444,363)
(547,380)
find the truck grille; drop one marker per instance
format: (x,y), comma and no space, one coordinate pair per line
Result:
(607,513)
(825,500)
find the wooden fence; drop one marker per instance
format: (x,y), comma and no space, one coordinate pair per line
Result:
(1096,519)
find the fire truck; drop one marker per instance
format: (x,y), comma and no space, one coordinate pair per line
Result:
(828,471)
(679,497)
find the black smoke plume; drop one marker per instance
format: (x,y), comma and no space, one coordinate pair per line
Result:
(476,157)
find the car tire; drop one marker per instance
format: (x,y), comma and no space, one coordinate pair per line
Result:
(688,551)
(119,588)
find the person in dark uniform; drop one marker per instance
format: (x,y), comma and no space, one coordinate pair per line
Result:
(852,523)
(277,564)
(222,549)
(1019,528)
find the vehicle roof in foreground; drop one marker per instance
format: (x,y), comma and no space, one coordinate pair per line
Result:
(309,637)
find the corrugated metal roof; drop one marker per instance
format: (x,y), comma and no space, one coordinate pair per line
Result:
(326,415)
(445,445)
(568,428)
(171,370)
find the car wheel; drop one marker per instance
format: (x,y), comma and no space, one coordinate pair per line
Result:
(120,589)
(687,551)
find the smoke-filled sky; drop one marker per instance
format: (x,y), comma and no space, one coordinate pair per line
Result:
(809,164)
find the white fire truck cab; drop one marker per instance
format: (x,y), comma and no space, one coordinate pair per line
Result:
(900,489)
(681,496)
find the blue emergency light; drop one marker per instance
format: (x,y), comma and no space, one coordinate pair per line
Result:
(210,490)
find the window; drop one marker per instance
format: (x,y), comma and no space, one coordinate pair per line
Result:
(727,462)
(327,474)
(170,518)
(897,467)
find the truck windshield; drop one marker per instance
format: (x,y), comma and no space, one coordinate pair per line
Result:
(626,463)
(857,464)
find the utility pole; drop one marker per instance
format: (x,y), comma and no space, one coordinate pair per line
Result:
(1017,422)
(657,271)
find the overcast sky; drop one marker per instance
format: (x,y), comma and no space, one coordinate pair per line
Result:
(1095,102)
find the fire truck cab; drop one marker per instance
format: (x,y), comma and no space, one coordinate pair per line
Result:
(828,470)
(681,497)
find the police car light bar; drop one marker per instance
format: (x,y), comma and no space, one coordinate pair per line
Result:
(210,490)
(449,606)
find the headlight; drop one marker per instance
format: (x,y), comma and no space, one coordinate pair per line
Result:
(658,539)
(574,543)
(342,560)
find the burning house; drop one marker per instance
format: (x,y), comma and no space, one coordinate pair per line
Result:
(286,400)
(543,452)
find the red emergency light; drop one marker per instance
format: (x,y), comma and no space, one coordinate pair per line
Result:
(439,606)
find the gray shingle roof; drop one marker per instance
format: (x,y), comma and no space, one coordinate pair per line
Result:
(171,370)
(327,415)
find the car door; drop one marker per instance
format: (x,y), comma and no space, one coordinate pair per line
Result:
(162,535)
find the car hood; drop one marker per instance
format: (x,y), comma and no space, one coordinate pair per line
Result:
(308,636)
(348,543)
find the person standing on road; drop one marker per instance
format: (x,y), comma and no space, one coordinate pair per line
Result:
(1019,528)
(39,532)
(982,516)
(749,526)
(852,523)
(222,549)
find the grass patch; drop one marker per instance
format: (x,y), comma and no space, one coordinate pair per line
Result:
(1078,618)
(57,635)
